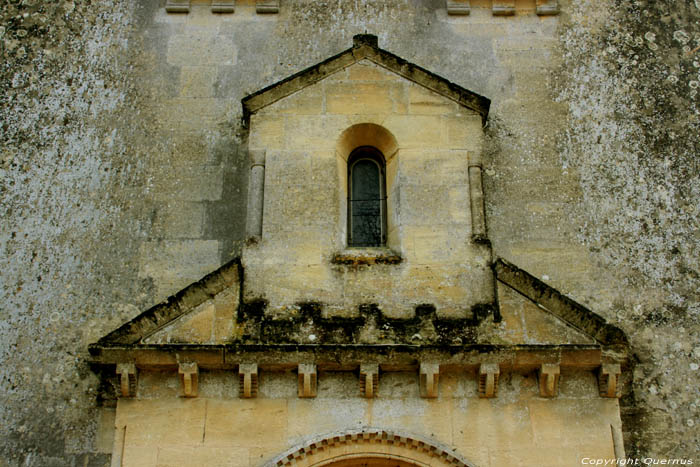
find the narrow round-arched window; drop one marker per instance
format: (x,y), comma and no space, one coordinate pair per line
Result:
(366,198)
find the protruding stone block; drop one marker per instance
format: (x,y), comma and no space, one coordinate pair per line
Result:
(127,379)
(547,7)
(429,376)
(458,7)
(307,380)
(177,6)
(369,379)
(488,380)
(267,6)
(549,379)
(223,6)
(503,7)
(189,377)
(608,380)
(248,380)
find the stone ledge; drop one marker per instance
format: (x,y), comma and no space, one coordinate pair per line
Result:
(366,256)
(348,357)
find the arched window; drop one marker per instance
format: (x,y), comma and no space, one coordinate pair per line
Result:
(366,198)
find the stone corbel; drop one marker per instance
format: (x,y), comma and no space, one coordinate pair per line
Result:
(267,6)
(609,380)
(488,380)
(127,379)
(307,380)
(547,7)
(177,6)
(256,194)
(429,376)
(248,380)
(223,6)
(549,379)
(189,377)
(503,7)
(369,379)
(458,7)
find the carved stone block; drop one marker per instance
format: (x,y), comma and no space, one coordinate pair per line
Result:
(429,376)
(307,380)
(248,380)
(547,7)
(369,379)
(488,379)
(267,6)
(608,380)
(189,377)
(549,379)
(503,7)
(223,6)
(127,379)
(177,6)
(458,7)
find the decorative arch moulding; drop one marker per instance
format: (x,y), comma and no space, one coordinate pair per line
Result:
(384,445)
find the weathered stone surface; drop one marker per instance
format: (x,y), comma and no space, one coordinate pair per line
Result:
(590,178)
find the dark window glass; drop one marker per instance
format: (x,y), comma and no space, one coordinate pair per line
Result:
(366,200)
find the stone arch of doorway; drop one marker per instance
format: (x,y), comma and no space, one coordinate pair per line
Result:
(370,448)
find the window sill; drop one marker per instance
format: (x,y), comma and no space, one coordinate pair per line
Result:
(355,256)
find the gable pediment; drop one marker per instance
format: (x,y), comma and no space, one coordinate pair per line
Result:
(209,313)
(365,49)
(206,325)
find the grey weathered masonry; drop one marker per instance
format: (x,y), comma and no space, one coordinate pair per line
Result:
(125,180)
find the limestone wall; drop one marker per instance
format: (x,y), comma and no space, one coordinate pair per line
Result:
(123,178)
(518,428)
(432,140)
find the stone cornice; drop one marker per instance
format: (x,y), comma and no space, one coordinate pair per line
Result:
(349,356)
(367,361)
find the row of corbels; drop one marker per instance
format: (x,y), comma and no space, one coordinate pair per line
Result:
(222,6)
(429,374)
(502,7)
(454,7)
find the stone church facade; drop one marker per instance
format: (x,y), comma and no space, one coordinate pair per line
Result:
(392,351)
(349,233)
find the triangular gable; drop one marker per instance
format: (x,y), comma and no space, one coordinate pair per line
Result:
(559,305)
(224,280)
(364,47)
(524,322)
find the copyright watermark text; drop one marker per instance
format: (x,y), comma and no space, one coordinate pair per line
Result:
(635,461)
